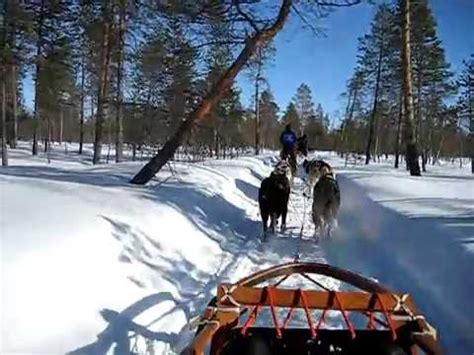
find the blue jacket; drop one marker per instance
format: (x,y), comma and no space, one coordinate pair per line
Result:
(288,139)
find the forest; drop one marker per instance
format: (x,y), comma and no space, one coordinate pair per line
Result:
(130,75)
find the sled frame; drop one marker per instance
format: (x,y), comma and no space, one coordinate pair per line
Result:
(222,316)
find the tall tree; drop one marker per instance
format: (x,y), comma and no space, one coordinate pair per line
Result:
(4,115)
(409,129)
(14,30)
(103,83)
(304,103)
(466,104)
(263,55)
(39,33)
(373,49)
(431,76)
(269,120)
(122,26)
(291,116)
(354,94)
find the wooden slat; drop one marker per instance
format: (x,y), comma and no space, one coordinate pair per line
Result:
(352,301)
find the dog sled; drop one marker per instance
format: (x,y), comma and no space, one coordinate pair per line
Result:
(393,325)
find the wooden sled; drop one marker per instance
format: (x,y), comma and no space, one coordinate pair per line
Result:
(393,324)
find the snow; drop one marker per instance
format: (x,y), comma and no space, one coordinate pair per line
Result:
(81,249)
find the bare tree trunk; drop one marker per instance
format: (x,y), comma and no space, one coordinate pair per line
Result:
(47,136)
(440,148)
(103,82)
(398,139)
(81,122)
(257,102)
(4,118)
(349,118)
(61,124)
(409,136)
(119,111)
(471,127)
(39,45)
(375,104)
(14,131)
(212,98)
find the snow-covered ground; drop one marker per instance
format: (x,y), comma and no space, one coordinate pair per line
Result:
(82,250)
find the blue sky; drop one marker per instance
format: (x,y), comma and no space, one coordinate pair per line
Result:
(326,62)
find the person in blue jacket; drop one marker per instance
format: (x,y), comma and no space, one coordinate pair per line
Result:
(288,140)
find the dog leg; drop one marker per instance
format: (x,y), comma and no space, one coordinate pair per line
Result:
(283,217)
(265,225)
(272,223)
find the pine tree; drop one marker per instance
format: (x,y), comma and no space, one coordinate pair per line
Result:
(103,82)
(52,43)
(373,64)
(219,57)
(263,55)
(4,115)
(291,116)
(466,104)
(431,76)
(316,128)
(409,131)
(355,96)
(180,74)
(304,103)
(13,50)
(269,120)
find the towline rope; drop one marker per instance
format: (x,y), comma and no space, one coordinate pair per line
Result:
(302,220)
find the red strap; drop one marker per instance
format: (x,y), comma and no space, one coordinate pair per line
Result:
(371,322)
(308,313)
(322,318)
(272,310)
(288,317)
(250,320)
(344,315)
(387,317)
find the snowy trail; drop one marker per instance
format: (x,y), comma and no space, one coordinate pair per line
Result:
(96,252)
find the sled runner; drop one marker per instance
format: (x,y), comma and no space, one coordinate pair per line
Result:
(393,324)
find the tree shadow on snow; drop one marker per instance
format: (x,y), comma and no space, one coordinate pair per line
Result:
(120,324)
(248,190)
(94,177)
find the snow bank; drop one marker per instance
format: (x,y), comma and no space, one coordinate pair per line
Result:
(84,252)
(80,244)
(414,234)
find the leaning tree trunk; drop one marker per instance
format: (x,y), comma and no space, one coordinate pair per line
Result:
(212,98)
(409,134)
(119,111)
(36,124)
(370,138)
(103,83)
(4,119)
